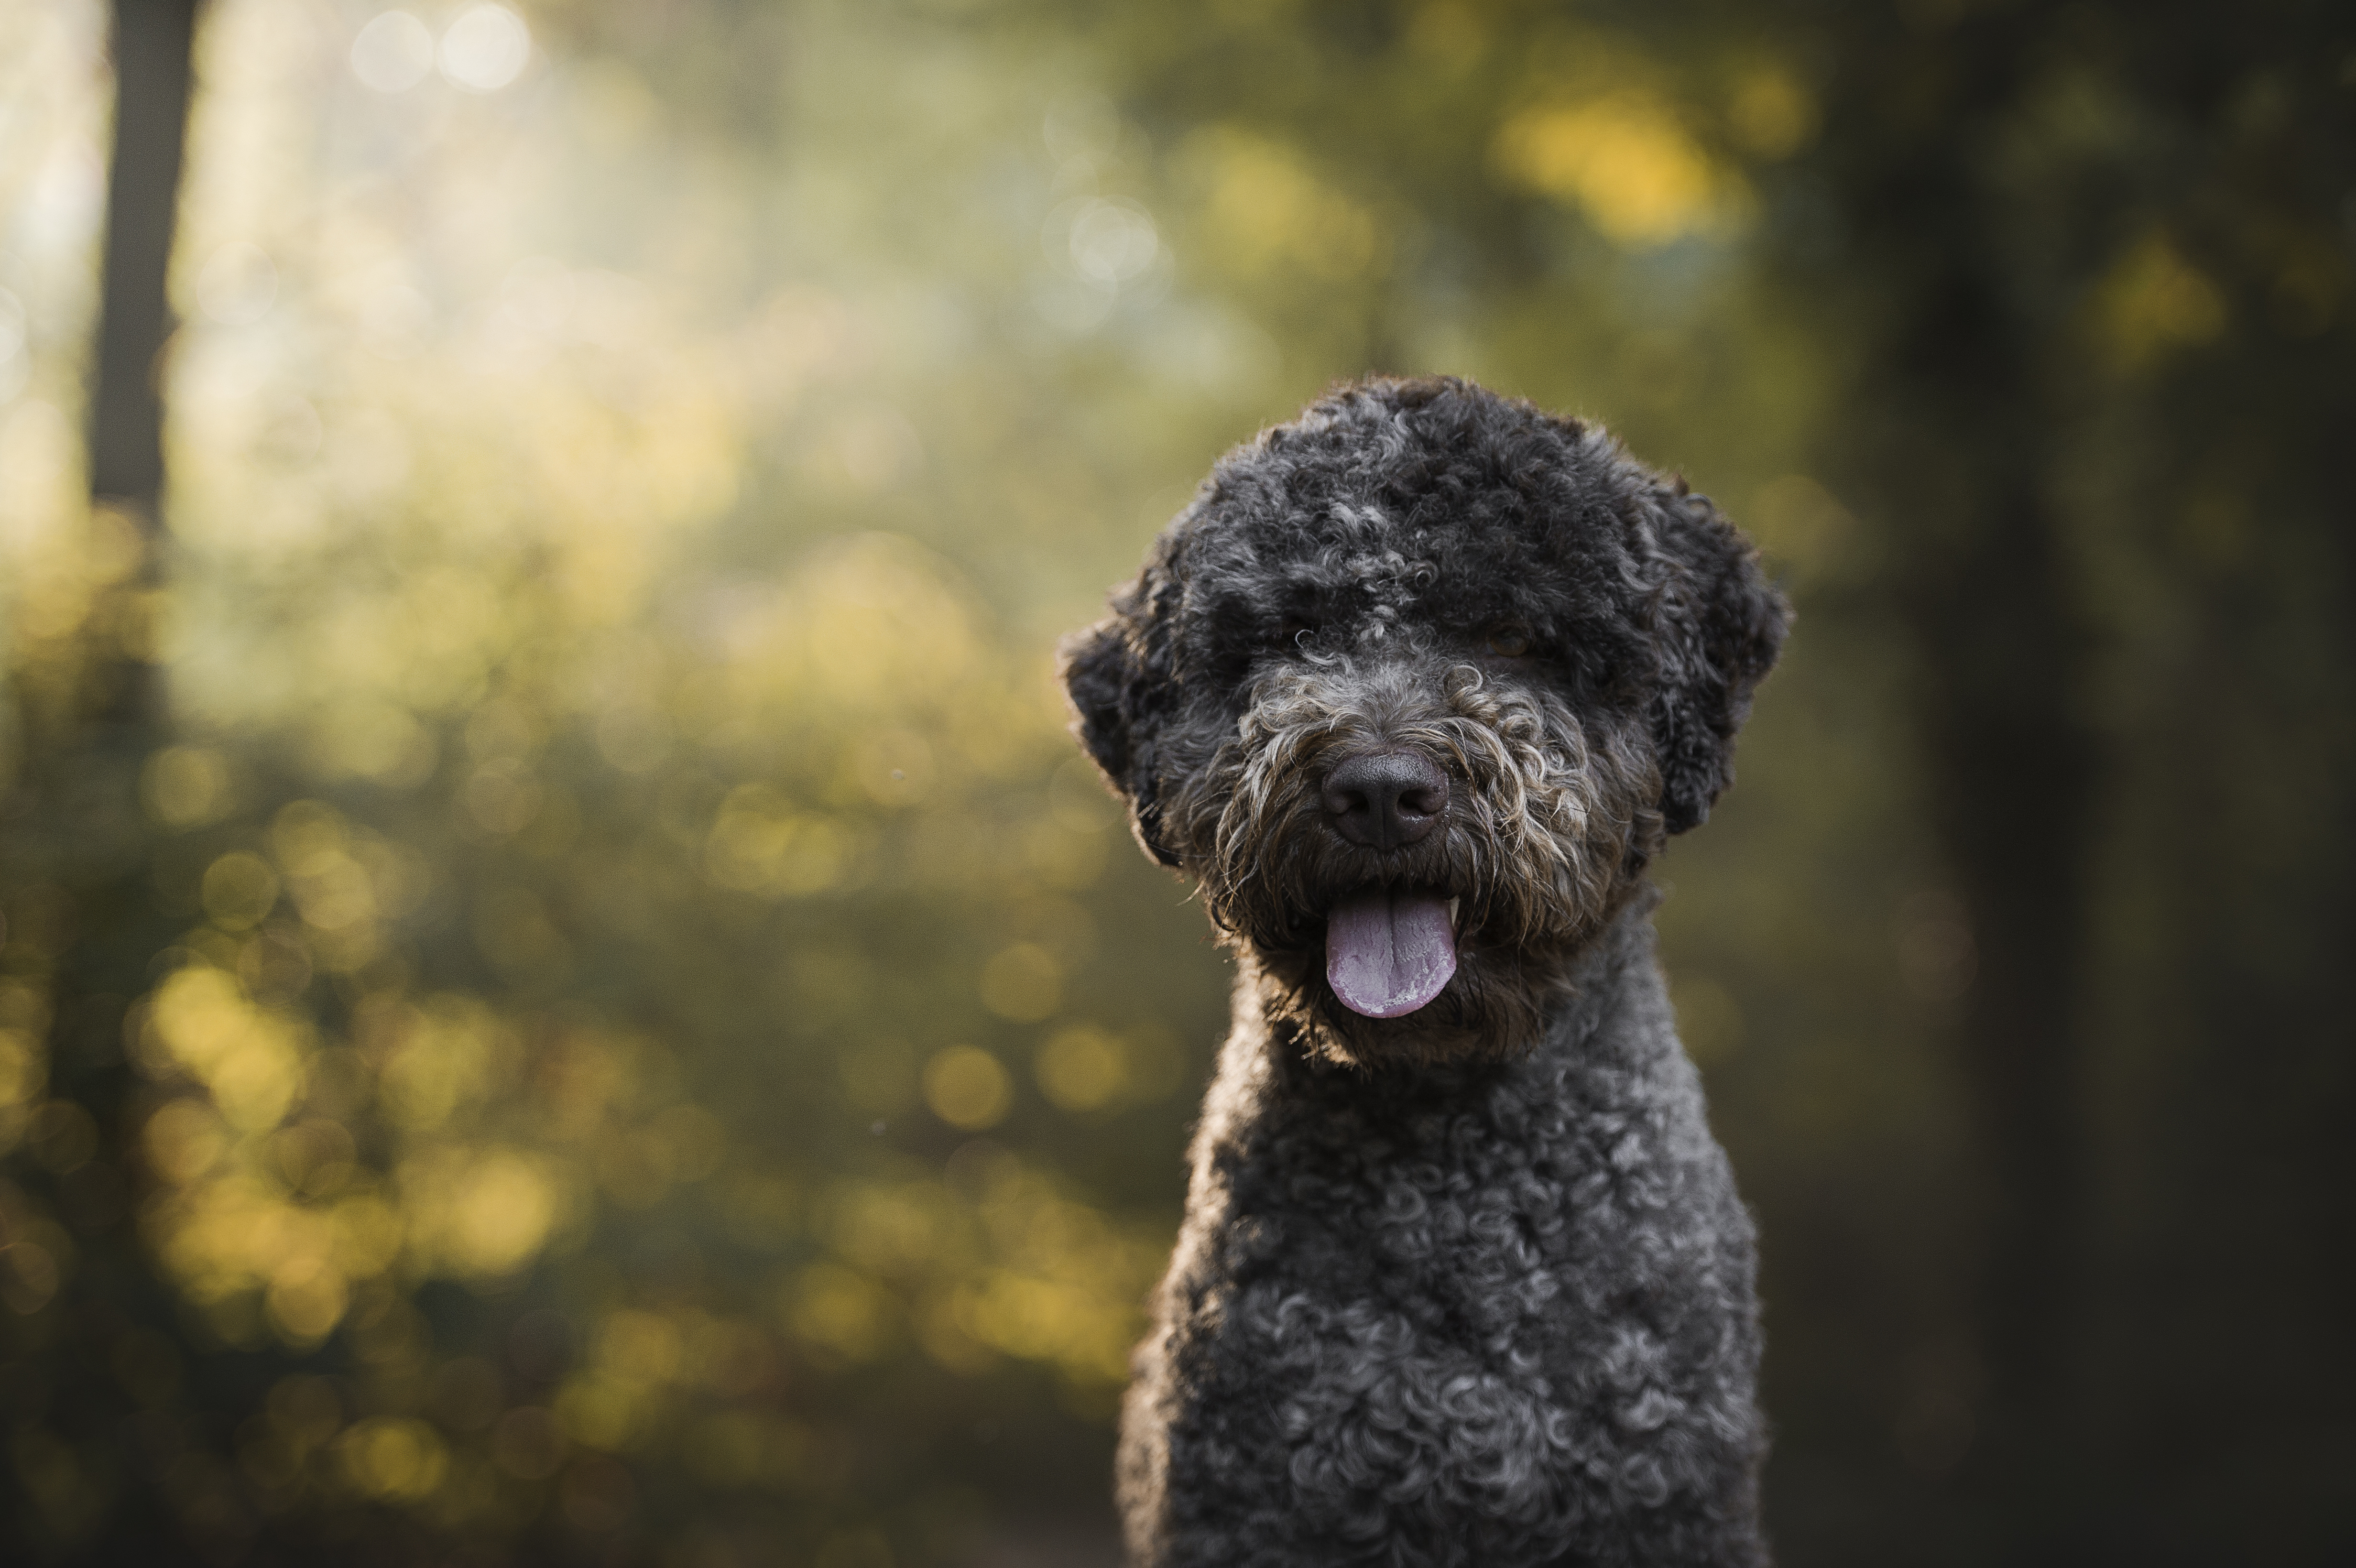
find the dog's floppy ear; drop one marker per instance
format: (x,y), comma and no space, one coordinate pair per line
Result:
(1721,624)
(1120,676)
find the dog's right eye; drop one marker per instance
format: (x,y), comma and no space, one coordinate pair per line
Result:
(1507,640)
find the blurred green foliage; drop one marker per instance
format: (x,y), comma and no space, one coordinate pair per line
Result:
(643,1042)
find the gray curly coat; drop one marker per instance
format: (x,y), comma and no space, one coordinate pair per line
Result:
(1469,1286)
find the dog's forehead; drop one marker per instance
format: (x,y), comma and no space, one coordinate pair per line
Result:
(1366,549)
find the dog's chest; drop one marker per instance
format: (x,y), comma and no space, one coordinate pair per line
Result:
(1496,1317)
(1419,1289)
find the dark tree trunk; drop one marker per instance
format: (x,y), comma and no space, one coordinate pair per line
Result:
(1961,445)
(2014,780)
(117,691)
(76,852)
(88,748)
(152,39)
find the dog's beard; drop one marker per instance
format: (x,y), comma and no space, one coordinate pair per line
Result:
(1549,828)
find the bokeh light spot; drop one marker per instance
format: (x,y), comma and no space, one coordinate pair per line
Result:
(394,1458)
(1626,160)
(184,1139)
(1113,241)
(839,1310)
(185,786)
(2154,300)
(24,1070)
(1772,113)
(240,888)
(503,797)
(502,1214)
(968,1088)
(1024,983)
(486,49)
(305,1300)
(1082,1069)
(1268,212)
(31,1273)
(393,53)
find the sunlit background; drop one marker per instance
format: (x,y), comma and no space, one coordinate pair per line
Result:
(602,1018)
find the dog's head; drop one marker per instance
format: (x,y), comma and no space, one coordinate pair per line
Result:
(1417,687)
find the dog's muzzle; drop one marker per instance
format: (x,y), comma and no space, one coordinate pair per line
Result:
(1388,950)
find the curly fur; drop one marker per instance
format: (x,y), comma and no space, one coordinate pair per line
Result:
(1470,1285)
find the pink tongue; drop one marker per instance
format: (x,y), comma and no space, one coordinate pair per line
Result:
(1388,953)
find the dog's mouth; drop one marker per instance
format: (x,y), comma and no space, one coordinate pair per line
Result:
(1390,951)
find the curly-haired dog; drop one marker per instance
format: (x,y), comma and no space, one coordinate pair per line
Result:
(1417,687)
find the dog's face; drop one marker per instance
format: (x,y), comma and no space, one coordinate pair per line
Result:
(1416,688)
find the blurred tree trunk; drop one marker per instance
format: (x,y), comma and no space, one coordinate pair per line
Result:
(87,755)
(1955,443)
(152,41)
(79,852)
(2003,181)
(116,694)
(2013,773)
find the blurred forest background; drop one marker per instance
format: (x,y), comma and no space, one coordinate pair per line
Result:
(565,996)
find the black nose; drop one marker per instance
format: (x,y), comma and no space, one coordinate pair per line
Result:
(1386,800)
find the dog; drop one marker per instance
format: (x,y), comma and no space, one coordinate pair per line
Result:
(1416,688)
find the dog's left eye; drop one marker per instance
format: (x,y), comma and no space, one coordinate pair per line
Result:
(1508,641)
(1289,633)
